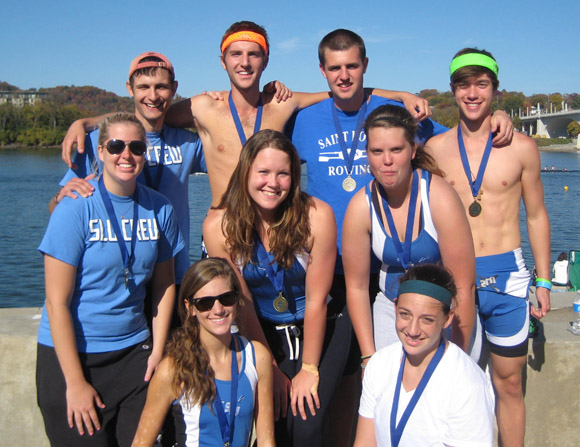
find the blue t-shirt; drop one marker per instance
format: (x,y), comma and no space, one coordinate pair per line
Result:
(108,316)
(182,155)
(316,140)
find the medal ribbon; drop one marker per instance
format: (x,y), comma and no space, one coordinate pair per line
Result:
(397,430)
(349,158)
(275,277)
(127,259)
(160,165)
(404,252)
(227,428)
(474,185)
(238,123)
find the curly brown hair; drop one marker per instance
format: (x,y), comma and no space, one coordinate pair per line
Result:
(193,375)
(388,116)
(290,232)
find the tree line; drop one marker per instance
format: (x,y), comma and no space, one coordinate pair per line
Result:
(446,112)
(46,122)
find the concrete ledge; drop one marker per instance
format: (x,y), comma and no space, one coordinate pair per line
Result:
(20,419)
(552,381)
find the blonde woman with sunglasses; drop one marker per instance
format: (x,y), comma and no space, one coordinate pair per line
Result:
(95,352)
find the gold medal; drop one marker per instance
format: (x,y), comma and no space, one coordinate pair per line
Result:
(281,303)
(349,184)
(475,209)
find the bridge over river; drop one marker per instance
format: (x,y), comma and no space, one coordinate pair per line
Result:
(549,124)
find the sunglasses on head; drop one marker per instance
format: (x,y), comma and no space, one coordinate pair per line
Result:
(115,147)
(205,303)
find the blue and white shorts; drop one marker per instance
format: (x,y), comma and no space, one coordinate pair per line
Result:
(502,283)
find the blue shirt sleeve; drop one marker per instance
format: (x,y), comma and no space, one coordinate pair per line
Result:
(88,162)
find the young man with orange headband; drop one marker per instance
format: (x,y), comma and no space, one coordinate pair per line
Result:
(491,183)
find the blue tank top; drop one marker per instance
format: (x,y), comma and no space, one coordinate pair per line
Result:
(424,249)
(198,426)
(264,293)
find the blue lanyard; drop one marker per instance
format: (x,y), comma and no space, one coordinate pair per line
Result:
(160,165)
(127,259)
(349,158)
(275,277)
(238,123)
(476,184)
(404,252)
(227,428)
(397,430)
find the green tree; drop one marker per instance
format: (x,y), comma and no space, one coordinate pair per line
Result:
(445,114)
(539,98)
(556,101)
(573,129)
(512,101)
(576,102)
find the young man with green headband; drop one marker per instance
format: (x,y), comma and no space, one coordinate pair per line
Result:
(491,183)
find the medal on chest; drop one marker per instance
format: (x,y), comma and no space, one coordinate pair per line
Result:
(349,184)
(475,208)
(281,303)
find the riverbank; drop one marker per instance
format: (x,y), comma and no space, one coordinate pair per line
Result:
(551,378)
(570,147)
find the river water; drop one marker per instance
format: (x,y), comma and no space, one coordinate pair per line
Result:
(29,178)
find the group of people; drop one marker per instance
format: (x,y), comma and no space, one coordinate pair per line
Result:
(392,238)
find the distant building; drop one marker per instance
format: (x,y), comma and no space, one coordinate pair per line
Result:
(20,98)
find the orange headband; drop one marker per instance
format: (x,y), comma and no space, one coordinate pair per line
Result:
(245,36)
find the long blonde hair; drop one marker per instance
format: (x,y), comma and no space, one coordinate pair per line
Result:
(290,232)
(193,375)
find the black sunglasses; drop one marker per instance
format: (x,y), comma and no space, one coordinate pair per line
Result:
(205,303)
(115,147)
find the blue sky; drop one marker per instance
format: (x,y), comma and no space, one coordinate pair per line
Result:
(409,43)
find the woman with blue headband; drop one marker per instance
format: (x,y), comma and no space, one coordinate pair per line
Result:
(424,390)
(407,215)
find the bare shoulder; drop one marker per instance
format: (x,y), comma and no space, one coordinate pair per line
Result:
(213,220)
(321,215)
(441,192)
(165,371)
(524,143)
(359,200)
(203,103)
(263,356)
(321,207)
(441,142)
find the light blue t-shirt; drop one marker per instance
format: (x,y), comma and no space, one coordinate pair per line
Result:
(108,316)
(316,139)
(181,154)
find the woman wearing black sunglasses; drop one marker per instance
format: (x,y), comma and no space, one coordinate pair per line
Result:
(284,244)
(207,368)
(95,356)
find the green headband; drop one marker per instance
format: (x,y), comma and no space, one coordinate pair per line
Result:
(426,288)
(473,59)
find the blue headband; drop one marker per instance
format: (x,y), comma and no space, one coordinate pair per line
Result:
(426,288)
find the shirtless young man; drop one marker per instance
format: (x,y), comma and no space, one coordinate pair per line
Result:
(491,190)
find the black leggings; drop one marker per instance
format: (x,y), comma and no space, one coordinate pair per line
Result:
(293,431)
(118,377)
